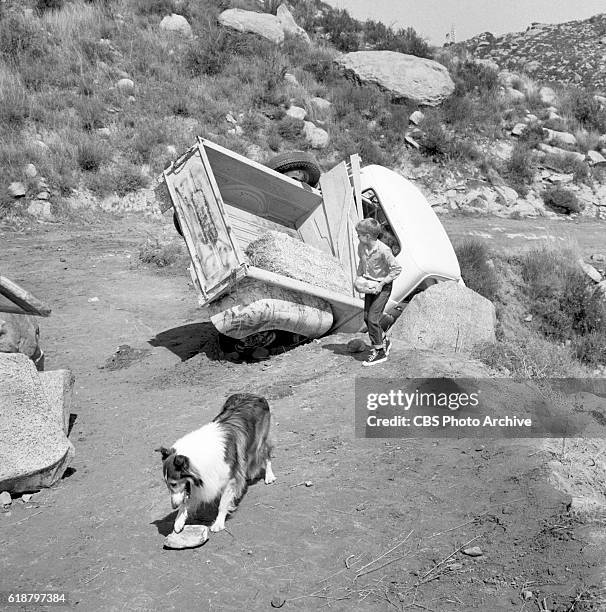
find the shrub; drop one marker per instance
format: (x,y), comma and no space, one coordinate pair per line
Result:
(562,200)
(519,168)
(587,140)
(559,297)
(91,153)
(21,38)
(581,104)
(290,128)
(48,5)
(434,140)
(14,105)
(91,112)
(470,76)
(569,164)
(153,7)
(533,135)
(154,252)
(129,178)
(477,269)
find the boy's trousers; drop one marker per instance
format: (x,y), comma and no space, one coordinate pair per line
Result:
(374,303)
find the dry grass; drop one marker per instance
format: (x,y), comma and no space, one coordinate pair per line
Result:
(279,253)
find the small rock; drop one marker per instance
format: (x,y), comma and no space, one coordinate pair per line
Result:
(309,483)
(518,129)
(30,171)
(527,595)
(593,274)
(416,117)
(296,112)
(598,257)
(291,78)
(5,498)
(43,195)
(176,23)
(528,318)
(16,190)
(596,158)
(126,86)
(455,566)
(192,536)
(26,497)
(93,299)
(474,551)
(230,119)
(317,137)
(277,602)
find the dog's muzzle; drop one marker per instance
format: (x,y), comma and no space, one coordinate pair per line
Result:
(177,499)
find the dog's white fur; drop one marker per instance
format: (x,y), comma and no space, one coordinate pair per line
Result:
(240,426)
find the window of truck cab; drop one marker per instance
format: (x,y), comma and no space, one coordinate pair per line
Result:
(372,209)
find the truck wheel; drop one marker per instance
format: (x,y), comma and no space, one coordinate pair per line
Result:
(177,224)
(297,161)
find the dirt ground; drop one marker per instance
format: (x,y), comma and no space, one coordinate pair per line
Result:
(380,527)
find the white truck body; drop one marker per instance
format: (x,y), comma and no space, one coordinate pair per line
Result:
(223,201)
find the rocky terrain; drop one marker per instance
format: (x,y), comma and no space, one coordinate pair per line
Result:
(572,53)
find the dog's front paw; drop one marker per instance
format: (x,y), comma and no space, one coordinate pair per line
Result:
(269,478)
(180,523)
(218,525)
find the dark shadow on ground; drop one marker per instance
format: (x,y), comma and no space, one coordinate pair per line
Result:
(341,349)
(189,340)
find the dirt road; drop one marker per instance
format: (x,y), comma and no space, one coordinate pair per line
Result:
(98,535)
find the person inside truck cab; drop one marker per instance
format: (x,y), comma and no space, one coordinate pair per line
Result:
(378,265)
(372,210)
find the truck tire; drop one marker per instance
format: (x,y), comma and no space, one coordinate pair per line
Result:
(297,160)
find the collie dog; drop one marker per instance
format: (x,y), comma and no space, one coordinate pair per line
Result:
(217,460)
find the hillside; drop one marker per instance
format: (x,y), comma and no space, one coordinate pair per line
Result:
(572,53)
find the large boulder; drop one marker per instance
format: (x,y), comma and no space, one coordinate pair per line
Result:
(34,450)
(265,25)
(289,25)
(447,316)
(19,333)
(404,77)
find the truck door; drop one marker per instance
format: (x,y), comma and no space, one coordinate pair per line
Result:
(215,256)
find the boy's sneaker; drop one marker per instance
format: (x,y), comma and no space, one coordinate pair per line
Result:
(376,356)
(387,345)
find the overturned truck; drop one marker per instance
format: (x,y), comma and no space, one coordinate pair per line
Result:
(225,205)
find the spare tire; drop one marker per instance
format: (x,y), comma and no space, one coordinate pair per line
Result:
(297,160)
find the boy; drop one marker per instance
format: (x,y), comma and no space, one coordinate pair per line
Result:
(376,263)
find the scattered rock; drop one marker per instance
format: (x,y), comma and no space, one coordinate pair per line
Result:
(26,497)
(176,23)
(561,137)
(550,150)
(527,595)
(43,195)
(30,171)
(518,129)
(404,77)
(320,104)
(598,257)
(297,112)
(126,86)
(596,158)
(593,274)
(317,137)
(474,551)
(416,117)
(41,209)
(528,318)
(16,190)
(548,95)
(523,209)
(514,95)
(5,498)
(192,536)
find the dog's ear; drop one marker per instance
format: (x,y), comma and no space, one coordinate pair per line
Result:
(165,452)
(181,462)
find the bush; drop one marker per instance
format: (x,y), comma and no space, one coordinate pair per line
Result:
(533,135)
(581,104)
(48,5)
(434,140)
(569,164)
(290,128)
(91,154)
(567,310)
(563,200)
(519,169)
(152,251)
(477,269)
(129,178)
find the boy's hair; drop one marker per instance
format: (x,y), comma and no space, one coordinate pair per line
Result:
(369,226)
